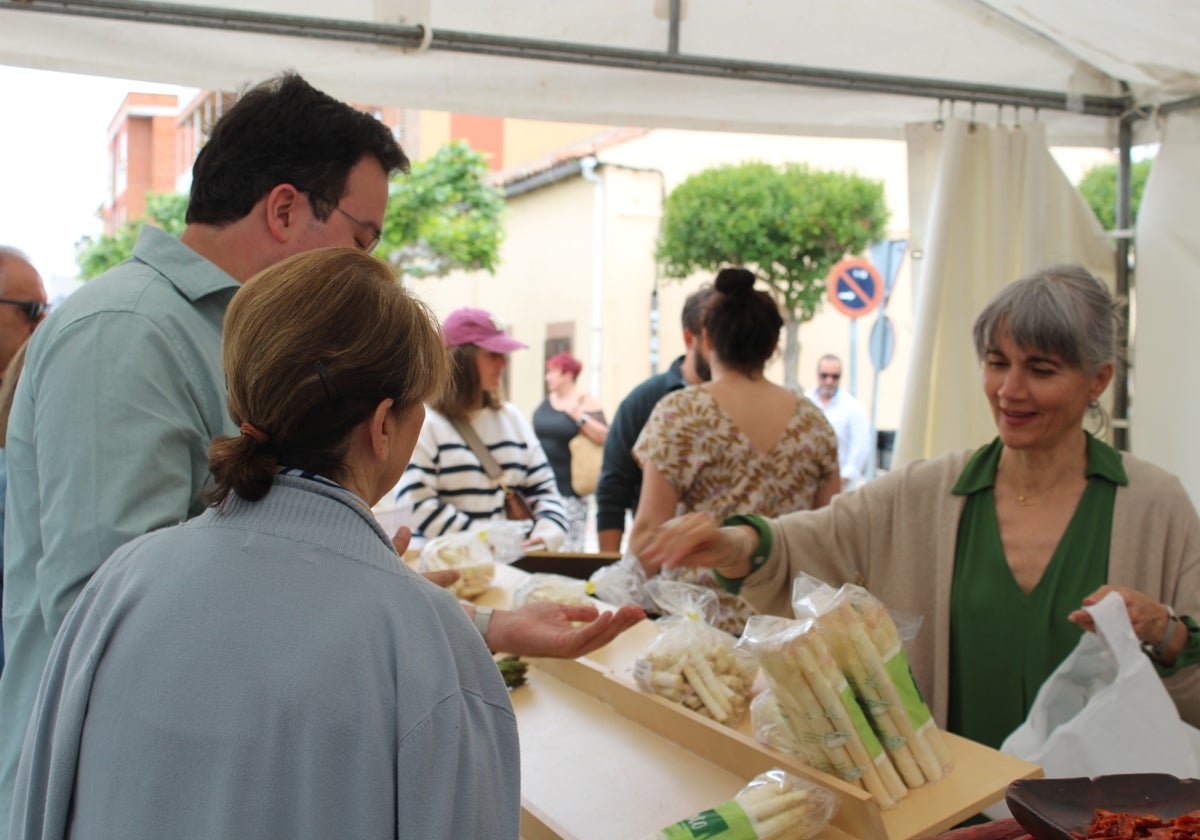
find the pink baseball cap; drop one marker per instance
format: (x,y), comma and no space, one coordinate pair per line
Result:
(478,327)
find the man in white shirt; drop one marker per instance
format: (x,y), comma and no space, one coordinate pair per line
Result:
(848,418)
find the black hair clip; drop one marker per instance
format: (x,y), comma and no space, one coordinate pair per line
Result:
(331,389)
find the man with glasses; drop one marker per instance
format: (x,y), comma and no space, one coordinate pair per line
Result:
(848,418)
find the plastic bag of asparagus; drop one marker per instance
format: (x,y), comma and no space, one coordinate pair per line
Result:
(868,647)
(775,806)
(818,707)
(691,662)
(620,584)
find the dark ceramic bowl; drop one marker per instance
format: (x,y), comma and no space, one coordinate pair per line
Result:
(1050,809)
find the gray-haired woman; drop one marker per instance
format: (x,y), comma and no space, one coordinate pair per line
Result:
(998,548)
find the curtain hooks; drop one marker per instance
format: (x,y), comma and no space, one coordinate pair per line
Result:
(971,126)
(940,123)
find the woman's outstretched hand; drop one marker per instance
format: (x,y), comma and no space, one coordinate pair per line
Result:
(545,629)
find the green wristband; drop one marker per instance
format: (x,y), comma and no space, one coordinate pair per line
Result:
(758,559)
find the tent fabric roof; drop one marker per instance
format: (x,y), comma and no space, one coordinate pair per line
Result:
(738,65)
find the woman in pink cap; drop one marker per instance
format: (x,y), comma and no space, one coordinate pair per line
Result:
(469,433)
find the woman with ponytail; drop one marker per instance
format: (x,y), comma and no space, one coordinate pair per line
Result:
(270,668)
(737,444)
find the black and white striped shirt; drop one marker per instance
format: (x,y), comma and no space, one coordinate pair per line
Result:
(445,488)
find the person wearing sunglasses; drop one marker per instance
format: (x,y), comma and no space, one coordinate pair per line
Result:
(22,307)
(848,418)
(22,302)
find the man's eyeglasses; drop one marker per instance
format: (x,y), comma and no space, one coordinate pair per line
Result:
(376,234)
(834,376)
(34,310)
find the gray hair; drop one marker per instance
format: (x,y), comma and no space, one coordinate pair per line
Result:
(1062,310)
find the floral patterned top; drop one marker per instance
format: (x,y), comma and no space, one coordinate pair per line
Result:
(713,467)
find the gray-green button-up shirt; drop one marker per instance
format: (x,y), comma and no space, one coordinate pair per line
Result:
(121,395)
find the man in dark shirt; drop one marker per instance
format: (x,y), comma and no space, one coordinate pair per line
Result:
(620,476)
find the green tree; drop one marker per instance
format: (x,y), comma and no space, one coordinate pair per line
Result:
(443,216)
(788,224)
(166,210)
(1099,188)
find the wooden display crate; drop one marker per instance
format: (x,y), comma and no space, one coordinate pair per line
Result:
(601,759)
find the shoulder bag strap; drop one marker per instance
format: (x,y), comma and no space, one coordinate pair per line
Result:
(467,433)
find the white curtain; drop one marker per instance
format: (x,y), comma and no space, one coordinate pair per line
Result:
(988,204)
(1165,402)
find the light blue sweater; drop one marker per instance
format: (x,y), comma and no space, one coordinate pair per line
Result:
(268,670)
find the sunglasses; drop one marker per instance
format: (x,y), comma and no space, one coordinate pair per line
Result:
(834,376)
(34,310)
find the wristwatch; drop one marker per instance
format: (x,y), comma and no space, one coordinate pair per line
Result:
(1159,650)
(483,621)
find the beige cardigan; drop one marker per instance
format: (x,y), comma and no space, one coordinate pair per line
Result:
(896,536)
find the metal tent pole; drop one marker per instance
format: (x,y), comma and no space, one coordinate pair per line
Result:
(1120,412)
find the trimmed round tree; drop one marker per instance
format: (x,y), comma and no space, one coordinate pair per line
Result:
(788,224)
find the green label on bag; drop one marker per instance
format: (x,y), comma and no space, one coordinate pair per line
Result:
(859,721)
(725,822)
(902,677)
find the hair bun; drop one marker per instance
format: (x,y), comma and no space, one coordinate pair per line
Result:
(732,281)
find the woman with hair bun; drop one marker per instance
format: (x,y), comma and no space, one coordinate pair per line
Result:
(270,668)
(737,444)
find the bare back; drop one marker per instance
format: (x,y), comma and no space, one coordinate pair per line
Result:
(759,409)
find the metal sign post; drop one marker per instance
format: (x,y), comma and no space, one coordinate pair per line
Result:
(887,255)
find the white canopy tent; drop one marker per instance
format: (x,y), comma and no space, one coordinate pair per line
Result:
(763,65)
(1089,72)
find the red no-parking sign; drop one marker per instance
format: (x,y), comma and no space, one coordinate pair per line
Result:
(855,287)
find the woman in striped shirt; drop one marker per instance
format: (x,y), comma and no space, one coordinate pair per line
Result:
(446,487)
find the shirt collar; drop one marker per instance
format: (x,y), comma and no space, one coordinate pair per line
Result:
(980,472)
(676,371)
(193,275)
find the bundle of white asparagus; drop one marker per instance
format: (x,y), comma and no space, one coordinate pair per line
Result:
(557,589)
(474,554)
(469,554)
(769,727)
(818,706)
(867,647)
(692,662)
(775,806)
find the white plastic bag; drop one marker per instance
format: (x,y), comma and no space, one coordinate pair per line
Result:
(691,662)
(1105,710)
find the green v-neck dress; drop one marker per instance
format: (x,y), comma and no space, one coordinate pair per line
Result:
(1004,643)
